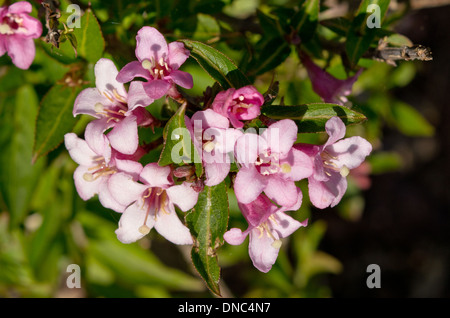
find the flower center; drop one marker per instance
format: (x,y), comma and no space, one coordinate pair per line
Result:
(158,69)
(264,229)
(329,164)
(268,163)
(112,113)
(156,200)
(10,24)
(99,170)
(239,106)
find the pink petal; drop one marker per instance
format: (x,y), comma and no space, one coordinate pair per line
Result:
(248,184)
(86,101)
(285,225)
(32,25)
(137,97)
(226,139)
(20,7)
(301,165)
(105,78)
(327,193)
(177,55)
(335,128)
(124,189)
(132,70)
(235,236)
(171,228)
(156,176)
(209,118)
(86,189)
(124,136)
(182,79)
(150,43)
(95,138)
(350,152)
(216,172)
(250,94)
(21,50)
(130,167)
(130,222)
(283,192)
(258,211)
(107,200)
(280,136)
(248,147)
(79,150)
(222,101)
(261,251)
(156,89)
(183,195)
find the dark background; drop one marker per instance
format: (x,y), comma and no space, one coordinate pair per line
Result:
(405,228)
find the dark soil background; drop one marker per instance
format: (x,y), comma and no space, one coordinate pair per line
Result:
(405,228)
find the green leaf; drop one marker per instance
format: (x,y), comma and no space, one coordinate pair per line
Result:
(219,66)
(360,36)
(273,53)
(178,145)
(311,118)
(89,38)
(306,20)
(208,221)
(55,118)
(409,121)
(18,176)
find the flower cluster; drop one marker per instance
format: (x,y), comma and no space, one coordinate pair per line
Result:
(17,33)
(269,162)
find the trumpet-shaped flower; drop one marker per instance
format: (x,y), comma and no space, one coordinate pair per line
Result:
(17,33)
(97,162)
(238,104)
(114,108)
(332,163)
(268,224)
(270,164)
(158,63)
(328,87)
(150,203)
(214,140)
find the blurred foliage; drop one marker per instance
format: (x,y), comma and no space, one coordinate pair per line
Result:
(45,226)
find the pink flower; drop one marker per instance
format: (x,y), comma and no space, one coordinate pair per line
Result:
(268,224)
(214,141)
(97,162)
(238,104)
(332,163)
(158,63)
(270,164)
(150,203)
(331,89)
(17,31)
(114,108)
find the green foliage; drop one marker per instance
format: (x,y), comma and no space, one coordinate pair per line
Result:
(208,222)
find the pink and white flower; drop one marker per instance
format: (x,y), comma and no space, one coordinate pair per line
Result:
(17,33)
(158,63)
(268,224)
(238,104)
(114,107)
(214,141)
(270,164)
(150,203)
(332,163)
(97,162)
